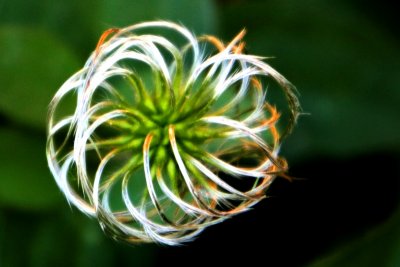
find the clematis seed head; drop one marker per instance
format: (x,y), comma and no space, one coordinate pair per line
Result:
(162,134)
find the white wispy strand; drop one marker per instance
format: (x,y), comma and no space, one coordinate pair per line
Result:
(181,164)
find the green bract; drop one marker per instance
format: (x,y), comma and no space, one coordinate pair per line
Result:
(171,133)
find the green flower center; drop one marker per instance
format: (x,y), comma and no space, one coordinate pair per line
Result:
(154,114)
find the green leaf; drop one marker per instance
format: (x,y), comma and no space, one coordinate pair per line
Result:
(344,66)
(25,181)
(379,247)
(33,66)
(198,15)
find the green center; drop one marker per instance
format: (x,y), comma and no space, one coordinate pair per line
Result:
(155,115)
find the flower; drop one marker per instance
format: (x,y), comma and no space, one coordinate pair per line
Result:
(169,133)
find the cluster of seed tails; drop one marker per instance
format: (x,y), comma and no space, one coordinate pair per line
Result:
(168,133)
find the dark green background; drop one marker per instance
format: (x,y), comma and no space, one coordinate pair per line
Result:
(343,56)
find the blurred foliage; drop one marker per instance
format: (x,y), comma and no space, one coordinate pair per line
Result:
(24,178)
(345,68)
(63,239)
(379,247)
(344,65)
(31,71)
(199,15)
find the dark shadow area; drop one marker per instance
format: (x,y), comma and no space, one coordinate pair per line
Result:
(335,199)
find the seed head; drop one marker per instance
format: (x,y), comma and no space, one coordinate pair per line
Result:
(169,133)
